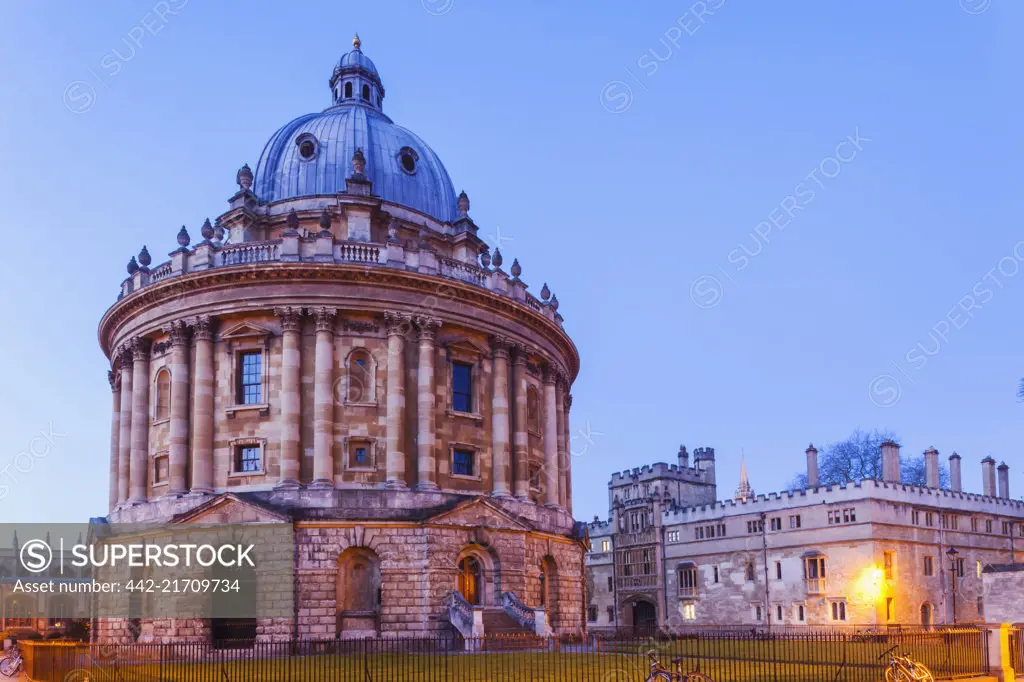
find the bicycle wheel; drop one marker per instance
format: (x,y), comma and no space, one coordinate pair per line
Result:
(659,677)
(7,667)
(697,677)
(893,675)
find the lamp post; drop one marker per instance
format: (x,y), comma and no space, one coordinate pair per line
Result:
(952,554)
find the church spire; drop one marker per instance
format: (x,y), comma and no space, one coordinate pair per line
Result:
(743,492)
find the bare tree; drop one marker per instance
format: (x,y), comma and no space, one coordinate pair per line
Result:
(859,457)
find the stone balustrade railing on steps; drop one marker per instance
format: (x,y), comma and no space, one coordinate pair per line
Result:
(460,613)
(326,249)
(529,618)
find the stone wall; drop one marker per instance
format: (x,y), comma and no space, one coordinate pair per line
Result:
(1004,593)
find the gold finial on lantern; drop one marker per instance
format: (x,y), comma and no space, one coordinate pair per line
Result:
(356,42)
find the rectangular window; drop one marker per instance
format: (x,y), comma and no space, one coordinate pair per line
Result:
(929,519)
(929,566)
(611,614)
(250,378)
(890,610)
(778,571)
(714,573)
(974,525)
(721,530)
(462,387)
(160,469)
(755,526)
(688,581)
(800,612)
(988,525)
(889,561)
(794,521)
(689,612)
(960,567)
(1006,528)
(606,545)
(758,614)
(915,517)
(814,574)
(839,610)
(751,576)
(673,536)
(776,523)
(358,455)
(610,587)
(981,606)
(592,614)
(778,613)
(955,522)
(979,568)
(462,463)
(247,459)
(945,521)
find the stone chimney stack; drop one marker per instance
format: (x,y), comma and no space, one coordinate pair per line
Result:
(684,457)
(891,462)
(812,466)
(956,483)
(931,468)
(1004,481)
(988,477)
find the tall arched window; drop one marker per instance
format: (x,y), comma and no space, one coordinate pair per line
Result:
(533,409)
(360,385)
(348,89)
(366,93)
(162,408)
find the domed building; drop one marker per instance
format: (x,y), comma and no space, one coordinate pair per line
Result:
(341,352)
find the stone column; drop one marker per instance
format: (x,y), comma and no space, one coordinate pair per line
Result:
(178,452)
(202,407)
(398,325)
(550,437)
(568,452)
(124,440)
(323,399)
(291,400)
(140,419)
(114,377)
(500,417)
(520,437)
(426,464)
(563,456)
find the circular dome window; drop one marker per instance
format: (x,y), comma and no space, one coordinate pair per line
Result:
(308,147)
(407,158)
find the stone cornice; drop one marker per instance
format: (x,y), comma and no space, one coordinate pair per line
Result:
(181,287)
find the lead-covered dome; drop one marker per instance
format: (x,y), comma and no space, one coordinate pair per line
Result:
(313,153)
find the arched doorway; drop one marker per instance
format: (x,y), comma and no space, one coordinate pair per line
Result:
(471,579)
(645,618)
(926,615)
(358,593)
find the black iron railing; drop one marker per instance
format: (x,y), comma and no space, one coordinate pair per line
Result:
(727,655)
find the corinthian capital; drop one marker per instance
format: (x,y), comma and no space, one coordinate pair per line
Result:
(291,318)
(140,346)
(325,318)
(179,333)
(398,324)
(202,328)
(427,326)
(501,346)
(114,378)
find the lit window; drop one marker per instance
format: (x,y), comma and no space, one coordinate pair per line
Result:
(163,395)
(359,455)
(890,610)
(979,568)
(929,566)
(462,387)
(462,463)
(689,611)
(247,459)
(673,536)
(250,378)
(606,545)
(889,560)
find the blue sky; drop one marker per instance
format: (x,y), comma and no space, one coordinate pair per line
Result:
(632,155)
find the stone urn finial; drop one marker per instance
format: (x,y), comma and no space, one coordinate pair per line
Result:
(545,293)
(144,258)
(463,204)
(517,269)
(325,222)
(485,258)
(554,303)
(497,258)
(244,177)
(218,230)
(293,223)
(133,266)
(359,161)
(183,238)
(206,230)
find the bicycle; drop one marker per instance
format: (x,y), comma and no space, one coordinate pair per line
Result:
(904,668)
(12,661)
(660,673)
